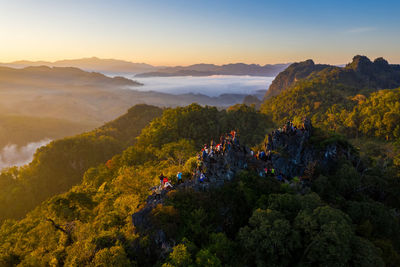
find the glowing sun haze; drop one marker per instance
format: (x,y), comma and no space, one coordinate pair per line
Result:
(171,32)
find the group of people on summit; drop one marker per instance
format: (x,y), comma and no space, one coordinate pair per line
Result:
(228,144)
(210,153)
(165,184)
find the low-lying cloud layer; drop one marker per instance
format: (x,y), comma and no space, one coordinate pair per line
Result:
(209,85)
(12,155)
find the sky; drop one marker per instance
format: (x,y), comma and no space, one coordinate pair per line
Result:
(182,32)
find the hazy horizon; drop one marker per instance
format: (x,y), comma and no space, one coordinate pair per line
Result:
(179,32)
(193,63)
(138,62)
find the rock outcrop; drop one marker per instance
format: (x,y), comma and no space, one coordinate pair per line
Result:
(292,151)
(289,151)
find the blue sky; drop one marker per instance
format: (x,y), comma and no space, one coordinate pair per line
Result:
(173,32)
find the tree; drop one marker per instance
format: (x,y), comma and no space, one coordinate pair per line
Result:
(179,256)
(114,256)
(205,258)
(327,234)
(269,239)
(177,153)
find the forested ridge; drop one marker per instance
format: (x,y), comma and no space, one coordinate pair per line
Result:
(340,207)
(60,165)
(348,100)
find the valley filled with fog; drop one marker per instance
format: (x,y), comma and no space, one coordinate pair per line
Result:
(14,155)
(39,104)
(207,85)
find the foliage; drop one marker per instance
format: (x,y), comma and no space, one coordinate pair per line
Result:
(347,217)
(345,100)
(179,257)
(202,124)
(61,164)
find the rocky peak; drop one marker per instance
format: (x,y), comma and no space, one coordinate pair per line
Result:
(381,61)
(289,151)
(293,150)
(360,64)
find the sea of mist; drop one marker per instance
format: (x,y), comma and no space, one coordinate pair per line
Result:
(13,155)
(209,85)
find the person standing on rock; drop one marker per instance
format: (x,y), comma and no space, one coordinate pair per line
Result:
(165,180)
(179,177)
(262,155)
(202,178)
(161,177)
(204,153)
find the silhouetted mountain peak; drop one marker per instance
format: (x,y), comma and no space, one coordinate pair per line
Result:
(360,64)
(381,61)
(308,62)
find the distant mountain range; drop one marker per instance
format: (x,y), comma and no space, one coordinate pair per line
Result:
(146,70)
(89,64)
(211,69)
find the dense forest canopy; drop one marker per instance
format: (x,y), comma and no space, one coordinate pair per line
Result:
(342,216)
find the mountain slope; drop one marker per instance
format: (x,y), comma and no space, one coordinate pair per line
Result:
(55,75)
(361,73)
(60,165)
(292,74)
(331,88)
(20,130)
(325,218)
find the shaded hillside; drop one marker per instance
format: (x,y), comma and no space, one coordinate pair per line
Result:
(324,217)
(44,75)
(20,130)
(268,70)
(60,165)
(252,100)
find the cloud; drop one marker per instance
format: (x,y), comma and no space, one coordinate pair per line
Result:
(361,29)
(12,155)
(209,85)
